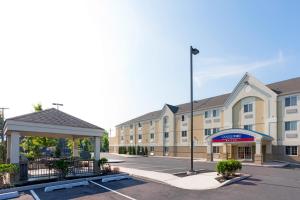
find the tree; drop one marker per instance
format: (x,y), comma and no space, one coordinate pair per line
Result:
(38,107)
(105,142)
(34,145)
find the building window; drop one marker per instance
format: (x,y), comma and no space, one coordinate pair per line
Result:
(206,114)
(122,138)
(183,133)
(248,127)
(216,149)
(140,136)
(182,118)
(248,107)
(291,101)
(151,123)
(207,131)
(165,120)
(152,136)
(215,130)
(216,113)
(131,137)
(151,148)
(140,125)
(291,126)
(291,150)
(131,126)
(166,134)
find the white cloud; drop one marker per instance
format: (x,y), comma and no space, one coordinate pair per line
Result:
(216,68)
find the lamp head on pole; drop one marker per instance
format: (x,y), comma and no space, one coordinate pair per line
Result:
(194,51)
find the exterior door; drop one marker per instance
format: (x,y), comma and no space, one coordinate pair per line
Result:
(244,153)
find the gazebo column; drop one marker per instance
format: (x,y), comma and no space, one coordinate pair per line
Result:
(75,147)
(258,152)
(14,148)
(97,148)
(209,151)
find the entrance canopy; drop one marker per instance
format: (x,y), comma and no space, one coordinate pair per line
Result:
(48,123)
(239,137)
(236,136)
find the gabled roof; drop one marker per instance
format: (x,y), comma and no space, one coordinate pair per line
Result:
(54,117)
(174,109)
(281,88)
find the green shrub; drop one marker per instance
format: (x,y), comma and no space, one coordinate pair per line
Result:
(228,168)
(8,168)
(62,166)
(133,150)
(142,151)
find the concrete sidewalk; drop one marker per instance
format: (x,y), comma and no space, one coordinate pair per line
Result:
(203,181)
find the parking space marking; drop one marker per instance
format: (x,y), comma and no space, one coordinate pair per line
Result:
(35,196)
(128,197)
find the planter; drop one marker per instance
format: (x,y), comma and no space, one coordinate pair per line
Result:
(8,179)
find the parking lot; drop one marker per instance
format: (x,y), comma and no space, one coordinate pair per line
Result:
(265,183)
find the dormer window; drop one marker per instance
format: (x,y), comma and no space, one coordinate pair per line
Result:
(290,101)
(151,123)
(131,126)
(248,107)
(140,125)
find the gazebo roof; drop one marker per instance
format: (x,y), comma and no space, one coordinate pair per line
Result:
(53,116)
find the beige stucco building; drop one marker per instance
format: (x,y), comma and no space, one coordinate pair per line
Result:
(255,122)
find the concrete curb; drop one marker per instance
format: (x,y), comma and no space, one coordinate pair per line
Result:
(41,185)
(234,180)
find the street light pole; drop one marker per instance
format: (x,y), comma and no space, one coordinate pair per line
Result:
(193,51)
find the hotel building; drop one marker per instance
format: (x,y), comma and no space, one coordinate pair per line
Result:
(255,122)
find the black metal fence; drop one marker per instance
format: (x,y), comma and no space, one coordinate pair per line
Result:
(44,168)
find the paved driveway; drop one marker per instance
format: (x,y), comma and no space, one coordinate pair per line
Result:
(265,183)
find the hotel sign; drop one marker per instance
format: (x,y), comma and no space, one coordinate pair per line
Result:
(233,137)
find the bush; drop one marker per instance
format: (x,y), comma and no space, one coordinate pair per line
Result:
(62,166)
(11,169)
(133,150)
(8,168)
(102,162)
(142,151)
(228,168)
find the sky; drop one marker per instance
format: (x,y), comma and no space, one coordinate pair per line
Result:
(110,61)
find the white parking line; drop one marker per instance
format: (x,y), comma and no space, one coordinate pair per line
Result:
(128,197)
(36,197)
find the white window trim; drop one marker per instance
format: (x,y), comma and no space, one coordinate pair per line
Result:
(290,146)
(291,106)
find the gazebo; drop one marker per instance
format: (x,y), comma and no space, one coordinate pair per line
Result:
(51,123)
